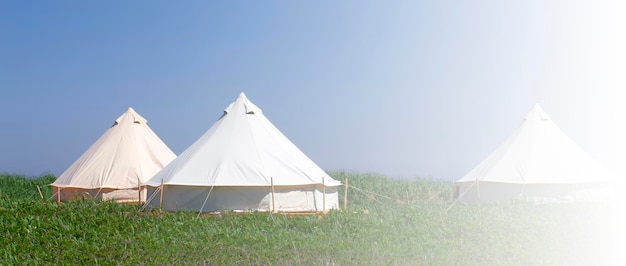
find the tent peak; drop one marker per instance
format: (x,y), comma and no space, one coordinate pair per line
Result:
(244,104)
(131,116)
(537,113)
(537,106)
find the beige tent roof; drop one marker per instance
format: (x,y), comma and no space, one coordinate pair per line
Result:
(243,148)
(125,156)
(538,152)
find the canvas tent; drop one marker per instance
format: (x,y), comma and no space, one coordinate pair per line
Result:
(116,166)
(537,162)
(243,163)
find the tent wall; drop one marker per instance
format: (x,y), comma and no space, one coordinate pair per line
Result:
(286,198)
(119,195)
(489,192)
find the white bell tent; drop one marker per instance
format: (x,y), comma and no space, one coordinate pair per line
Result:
(116,166)
(537,162)
(243,163)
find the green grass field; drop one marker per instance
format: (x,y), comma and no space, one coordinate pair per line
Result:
(406,222)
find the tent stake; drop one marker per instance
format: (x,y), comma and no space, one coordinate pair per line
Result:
(345,195)
(273,201)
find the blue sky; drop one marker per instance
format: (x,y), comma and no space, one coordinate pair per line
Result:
(407,88)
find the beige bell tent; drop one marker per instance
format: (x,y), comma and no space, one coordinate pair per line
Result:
(243,163)
(537,162)
(116,166)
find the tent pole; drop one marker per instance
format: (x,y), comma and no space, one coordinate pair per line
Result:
(205,200)
(58,194)
(273,200)
(345,195)
(477,190)
(407,196)
(138,191)
(40,195)
(323,195)
(161,196)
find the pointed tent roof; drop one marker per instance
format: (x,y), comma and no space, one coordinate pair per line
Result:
(538,152)
(243,148)
(127,153)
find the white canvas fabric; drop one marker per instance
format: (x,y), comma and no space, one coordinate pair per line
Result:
(116,166)
(236,161)
(537,161)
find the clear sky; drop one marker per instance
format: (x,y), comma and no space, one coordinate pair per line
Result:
(403,88)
